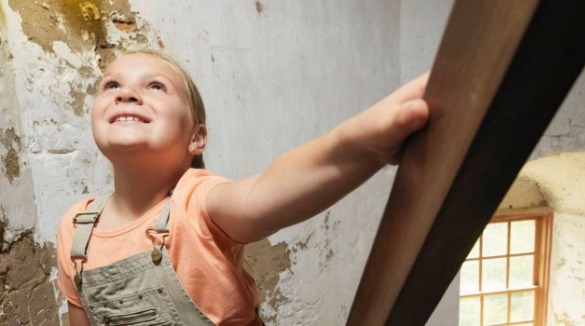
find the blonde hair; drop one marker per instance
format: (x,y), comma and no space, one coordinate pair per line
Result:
(194,99)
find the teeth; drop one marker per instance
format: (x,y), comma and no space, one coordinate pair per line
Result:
(127,118)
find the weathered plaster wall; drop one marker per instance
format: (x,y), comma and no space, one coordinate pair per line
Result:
(50,57)
(557,181)
(567,130)
(286,71)
(273,75)
(27,295)
(561,179)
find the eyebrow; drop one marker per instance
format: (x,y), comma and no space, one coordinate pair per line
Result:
(147,76)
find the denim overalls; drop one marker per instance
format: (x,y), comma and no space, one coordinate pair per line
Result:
(139,290)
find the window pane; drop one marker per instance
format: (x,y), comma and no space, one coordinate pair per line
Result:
(474,253)
(469,277)
(469,311)
(495,240)
(493,274)
(521,270)
(522,306)
(495,309)
(522,237)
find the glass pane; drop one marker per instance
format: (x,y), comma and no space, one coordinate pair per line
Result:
(495,240)
(469,311)
(495,309)
(474,253)
(493,274)
(521,270)
(522,237)
(469,277)
(522,306)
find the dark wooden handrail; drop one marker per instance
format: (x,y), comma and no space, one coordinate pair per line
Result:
(502,70)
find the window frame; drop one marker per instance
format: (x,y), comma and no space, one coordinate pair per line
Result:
(542,253)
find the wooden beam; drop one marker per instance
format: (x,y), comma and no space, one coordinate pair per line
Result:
(502,70)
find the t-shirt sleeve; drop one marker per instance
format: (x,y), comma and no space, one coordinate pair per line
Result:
(197,208)
(65,267)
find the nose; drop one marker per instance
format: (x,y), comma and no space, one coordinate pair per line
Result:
(128,95)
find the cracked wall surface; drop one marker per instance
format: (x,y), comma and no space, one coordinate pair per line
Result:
(27,293)
(72,28)
(275,66)
(566,133)
(265,262)
(51,55)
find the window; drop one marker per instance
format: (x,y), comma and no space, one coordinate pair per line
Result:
(504,278)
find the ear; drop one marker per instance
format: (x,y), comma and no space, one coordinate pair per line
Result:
(198,140)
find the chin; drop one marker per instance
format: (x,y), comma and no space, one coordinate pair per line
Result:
(112,150)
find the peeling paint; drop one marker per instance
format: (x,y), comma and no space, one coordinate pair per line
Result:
(563,319)
(267,262)
(77,100)
(41,22)
(326,220)
(324,247)
(11,160)
(259,7)
(27,294)
(303,245)
(71,29)
(9,139)
(562,262)
(329,255)
(89,11)
(124,23)
(326,223)
(11,165)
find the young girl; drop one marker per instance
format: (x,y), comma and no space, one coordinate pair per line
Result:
(166,247)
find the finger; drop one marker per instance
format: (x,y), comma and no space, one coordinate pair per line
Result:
(412,90)
(410,117)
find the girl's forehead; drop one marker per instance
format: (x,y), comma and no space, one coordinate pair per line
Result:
(143,63)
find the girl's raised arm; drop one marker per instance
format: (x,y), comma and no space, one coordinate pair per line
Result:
(307,180)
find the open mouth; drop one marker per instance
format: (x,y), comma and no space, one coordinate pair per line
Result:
(129,118)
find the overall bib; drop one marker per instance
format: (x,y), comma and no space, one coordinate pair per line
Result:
(139,290)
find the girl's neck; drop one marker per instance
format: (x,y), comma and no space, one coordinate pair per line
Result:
(139,189)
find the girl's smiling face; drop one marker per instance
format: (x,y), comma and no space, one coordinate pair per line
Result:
(141,107)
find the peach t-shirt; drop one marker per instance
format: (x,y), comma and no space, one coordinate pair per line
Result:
(207,262)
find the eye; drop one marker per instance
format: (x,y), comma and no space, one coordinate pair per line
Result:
(157,85)
(110,84)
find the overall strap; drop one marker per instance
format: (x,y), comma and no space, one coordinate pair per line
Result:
(162,222)
(84,223)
